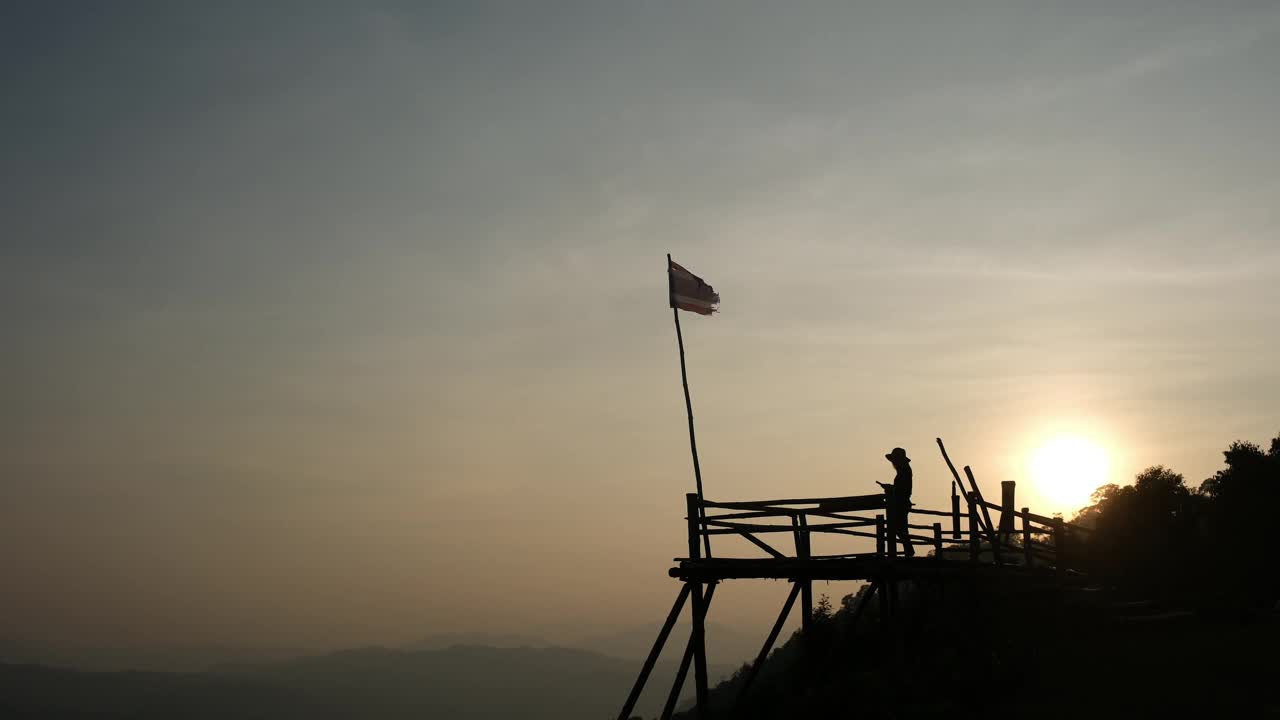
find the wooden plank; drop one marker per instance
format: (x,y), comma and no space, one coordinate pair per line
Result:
(935,513)
(749,514)
(839,516)
(656,650)
(756,527)
(847,502)
(830,532)
(1042,519)
(785,513)
(864,568)
(937,539)
(853,533)
(854,502)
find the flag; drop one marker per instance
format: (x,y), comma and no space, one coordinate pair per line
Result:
(690,292)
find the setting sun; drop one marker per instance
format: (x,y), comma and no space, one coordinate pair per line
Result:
(1067,469)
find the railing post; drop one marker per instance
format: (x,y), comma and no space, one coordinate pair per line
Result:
(1001,534)
(891,527)
(974,533)
(955,513)
(1059,546)
(1027,556)
(806,586)
(880,531)
(1006,509)
(693,510)
(937,540)
(891,536)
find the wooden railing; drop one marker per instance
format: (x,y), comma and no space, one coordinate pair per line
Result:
(1017,537)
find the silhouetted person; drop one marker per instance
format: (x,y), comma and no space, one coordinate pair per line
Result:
(899,497)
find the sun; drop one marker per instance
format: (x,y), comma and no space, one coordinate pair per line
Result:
(1067,469)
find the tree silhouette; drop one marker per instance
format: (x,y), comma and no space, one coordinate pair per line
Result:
(1215,542)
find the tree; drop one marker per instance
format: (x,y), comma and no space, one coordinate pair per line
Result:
(1243,497)
(1163,537)
(1143,531)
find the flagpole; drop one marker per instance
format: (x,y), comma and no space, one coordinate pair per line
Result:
(688,407)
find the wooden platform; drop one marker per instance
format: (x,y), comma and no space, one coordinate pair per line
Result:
(861,567)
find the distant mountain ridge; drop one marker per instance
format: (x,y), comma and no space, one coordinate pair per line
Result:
(439,641)
(725,645)
(459,681)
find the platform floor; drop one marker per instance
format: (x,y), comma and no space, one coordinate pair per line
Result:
(860,567)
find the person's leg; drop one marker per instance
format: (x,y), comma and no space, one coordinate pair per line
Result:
(904,533)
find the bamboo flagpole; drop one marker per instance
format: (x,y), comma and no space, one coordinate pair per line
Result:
(686,291)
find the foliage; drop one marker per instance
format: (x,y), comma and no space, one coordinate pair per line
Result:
(1214,542)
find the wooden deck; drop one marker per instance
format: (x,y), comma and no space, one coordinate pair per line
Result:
(952,542)
(860,567)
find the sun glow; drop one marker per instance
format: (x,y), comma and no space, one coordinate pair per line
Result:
(1067,469)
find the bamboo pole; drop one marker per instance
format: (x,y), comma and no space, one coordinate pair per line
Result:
(688,403)
(678,684)
(649,662)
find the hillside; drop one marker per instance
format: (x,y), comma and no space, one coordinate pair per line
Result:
(1011,648)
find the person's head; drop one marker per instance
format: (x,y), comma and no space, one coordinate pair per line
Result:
(898,457)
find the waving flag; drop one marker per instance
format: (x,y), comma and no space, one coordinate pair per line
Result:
(690,292)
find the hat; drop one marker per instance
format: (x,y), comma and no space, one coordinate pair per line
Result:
(896,455)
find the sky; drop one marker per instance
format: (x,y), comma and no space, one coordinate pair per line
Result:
(332,324)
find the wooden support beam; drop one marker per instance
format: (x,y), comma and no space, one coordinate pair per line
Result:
(891,527)
(955,513)
(1027,555)
(654,652)
(977,496)
(806,586)
(1059,547)
(761,544)
(768,643)
(1007,510)
(698,637)
(974,533)
(880,530)
(951,467)
(693,516)
(850,502)
(730,528)
(677,685)
(937,540)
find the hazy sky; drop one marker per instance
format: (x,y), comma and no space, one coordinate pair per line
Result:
(328,324)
